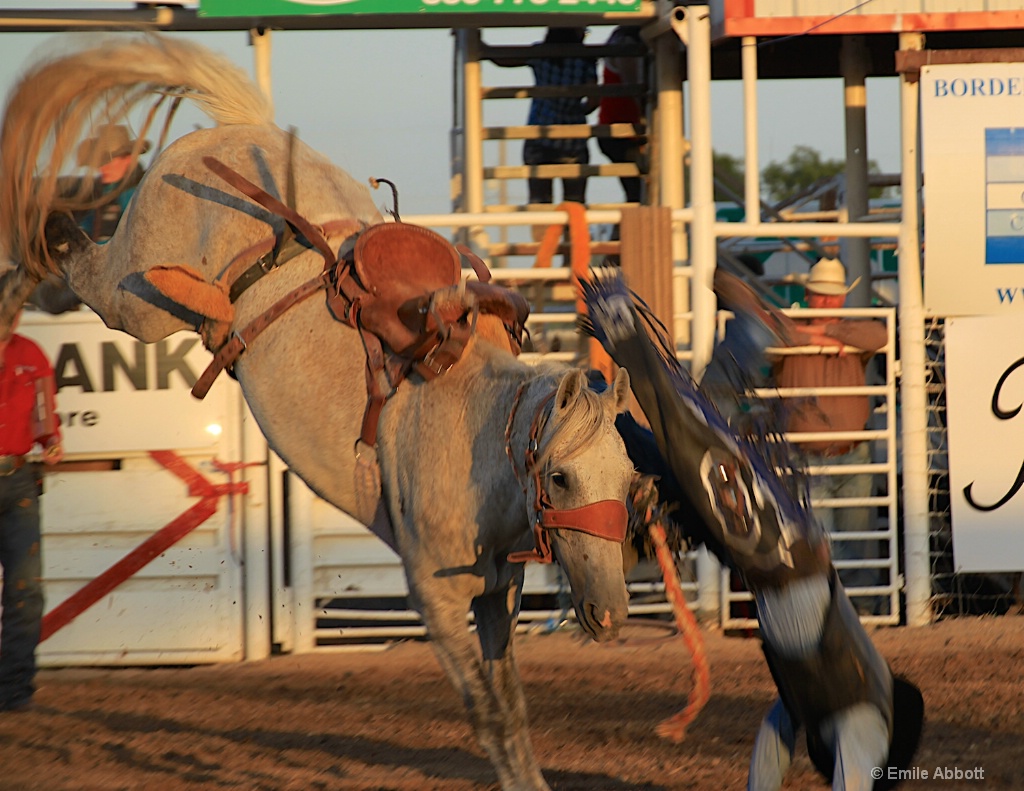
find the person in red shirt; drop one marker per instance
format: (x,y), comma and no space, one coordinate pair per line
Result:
(27,418)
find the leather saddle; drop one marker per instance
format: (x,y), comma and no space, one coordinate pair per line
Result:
(402,283)
(401,286)
(398,284)
(398,268)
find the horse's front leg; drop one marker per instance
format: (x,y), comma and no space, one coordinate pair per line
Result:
(496,615)
(490,687)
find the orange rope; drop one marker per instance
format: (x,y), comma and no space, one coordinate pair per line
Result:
(674,728)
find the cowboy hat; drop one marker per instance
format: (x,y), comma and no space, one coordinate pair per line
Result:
(828,276)
(111,141)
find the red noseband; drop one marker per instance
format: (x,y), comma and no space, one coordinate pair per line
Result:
(605,519)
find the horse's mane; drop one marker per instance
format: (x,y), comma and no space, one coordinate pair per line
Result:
(61,100)
(580,425)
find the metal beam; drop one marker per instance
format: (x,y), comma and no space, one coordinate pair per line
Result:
(910,61)
(188,20)
(856,252)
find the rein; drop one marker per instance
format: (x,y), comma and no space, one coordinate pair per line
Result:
(605,519)
(239,340)
(399,287)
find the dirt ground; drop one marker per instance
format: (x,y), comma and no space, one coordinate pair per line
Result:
(389,719)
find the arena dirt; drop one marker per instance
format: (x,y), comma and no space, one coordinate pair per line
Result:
(390,720)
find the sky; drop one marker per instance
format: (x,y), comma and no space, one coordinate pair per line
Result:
(378,103)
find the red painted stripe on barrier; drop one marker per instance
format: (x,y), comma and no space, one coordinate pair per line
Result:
(65,612)
(198,486)
(162,540)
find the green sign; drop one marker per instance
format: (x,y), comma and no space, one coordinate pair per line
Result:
(250,8)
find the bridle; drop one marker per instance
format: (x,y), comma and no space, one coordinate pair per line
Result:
(605,518)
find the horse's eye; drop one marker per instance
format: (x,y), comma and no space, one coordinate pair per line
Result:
(559,480)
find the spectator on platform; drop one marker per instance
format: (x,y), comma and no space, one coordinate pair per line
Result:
(846,347)
(546,111)
(624,70)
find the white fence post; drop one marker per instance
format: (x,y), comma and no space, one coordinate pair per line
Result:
(913,393)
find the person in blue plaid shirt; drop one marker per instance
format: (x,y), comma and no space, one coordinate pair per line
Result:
(544,111)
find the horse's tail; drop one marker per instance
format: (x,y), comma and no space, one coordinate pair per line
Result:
(60,101)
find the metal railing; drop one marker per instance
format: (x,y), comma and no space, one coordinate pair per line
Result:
(882,435)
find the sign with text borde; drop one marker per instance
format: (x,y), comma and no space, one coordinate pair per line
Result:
(985,421)
(973,138)
(118,394)
(247,8)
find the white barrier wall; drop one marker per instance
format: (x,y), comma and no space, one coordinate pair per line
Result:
(120,399)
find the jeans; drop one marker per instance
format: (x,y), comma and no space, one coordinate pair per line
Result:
(860,742)
(843,520)
(773,750)
(542,190)
(858,737)
(21,560)
(792,621)
(629,149)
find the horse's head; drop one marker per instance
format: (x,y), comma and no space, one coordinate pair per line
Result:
(581,476)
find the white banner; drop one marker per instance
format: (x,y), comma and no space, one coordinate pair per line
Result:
(985,420)
(116,394)
(972,119)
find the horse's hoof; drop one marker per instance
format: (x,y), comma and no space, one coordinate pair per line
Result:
(63,235)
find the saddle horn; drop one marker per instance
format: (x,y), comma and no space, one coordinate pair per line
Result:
(375,183)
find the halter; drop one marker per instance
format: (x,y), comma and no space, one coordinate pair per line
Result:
(605,518)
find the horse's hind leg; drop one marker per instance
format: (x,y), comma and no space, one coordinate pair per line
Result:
(54,295)
(69,246)
(15,288)
(110,279)
(17,284)
(490,689)
(64,236)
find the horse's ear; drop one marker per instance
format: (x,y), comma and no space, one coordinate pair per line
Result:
(620,390)
(573,383)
